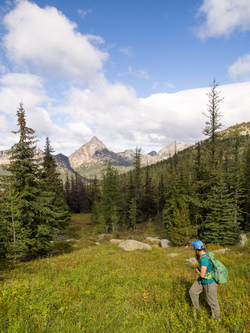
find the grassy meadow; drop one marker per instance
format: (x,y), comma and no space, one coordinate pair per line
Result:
(102,288)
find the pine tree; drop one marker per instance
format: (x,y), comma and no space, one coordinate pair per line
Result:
(246,189)
(220,226)
(138,184)
(214,116)
(161,200)
(149,207)
(176,215)
(53,195)
(29,215)
(21,210)
(111,198)
(132,214)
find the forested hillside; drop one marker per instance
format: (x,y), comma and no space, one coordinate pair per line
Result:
(202,191)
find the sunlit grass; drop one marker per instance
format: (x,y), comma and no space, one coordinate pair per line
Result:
(105,289)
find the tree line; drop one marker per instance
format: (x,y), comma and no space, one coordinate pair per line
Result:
(203,191)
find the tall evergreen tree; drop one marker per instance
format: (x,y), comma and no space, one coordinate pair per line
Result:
(176,215)
(110,202)
(214,116)
(27,222)
(161,200)
(52,187)
(246,189)
(220,225)
(21,209)
(149,207)
(137,172)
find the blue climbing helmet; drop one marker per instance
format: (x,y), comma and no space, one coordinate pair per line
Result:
(198,244)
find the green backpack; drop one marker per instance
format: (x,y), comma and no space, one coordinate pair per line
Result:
(219,272)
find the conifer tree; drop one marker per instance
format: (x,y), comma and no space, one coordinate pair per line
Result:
(28,219)
(176,214)
(161,200)
(220,226)
(52,187)
(109,206)
(22,212)
(138,184)
(213,124)
(246,189)
(149,200)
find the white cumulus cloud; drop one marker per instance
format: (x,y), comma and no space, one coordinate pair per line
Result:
(222,17)
(47,40)
(241,68)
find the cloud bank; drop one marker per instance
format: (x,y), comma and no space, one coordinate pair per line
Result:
(59,75)
(223,17)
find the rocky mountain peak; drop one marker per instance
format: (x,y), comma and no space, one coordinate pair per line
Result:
(86,153)
(172,148)
(94,145)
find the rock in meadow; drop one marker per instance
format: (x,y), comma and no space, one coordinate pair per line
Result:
(132,245)
(243,240)
(173,254)
(192,261)
(153,240)
(221,250)
(116,241)
(165,243)
(104,236)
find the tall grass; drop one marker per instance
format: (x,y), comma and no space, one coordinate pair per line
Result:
(105,289)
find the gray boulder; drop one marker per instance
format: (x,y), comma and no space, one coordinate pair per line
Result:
(165,243)
(132,245)
(221,250)
(243,240)
(153,240)
(104,236)
(72,240)
(192,261)
(116,241)
(173,254)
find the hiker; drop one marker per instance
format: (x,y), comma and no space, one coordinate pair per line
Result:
(204,282)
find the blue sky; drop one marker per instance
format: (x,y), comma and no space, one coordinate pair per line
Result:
(132,73)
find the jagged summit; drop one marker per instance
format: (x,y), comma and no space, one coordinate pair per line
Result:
(170,149)
(87,152)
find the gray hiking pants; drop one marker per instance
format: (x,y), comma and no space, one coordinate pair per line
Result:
(211,296)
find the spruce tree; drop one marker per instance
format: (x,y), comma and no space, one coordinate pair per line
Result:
(52,194)
(176,214)
(110,202)
(21,210)
(246,190)
(29,217)
(220,226)
(214,116)
(149,207)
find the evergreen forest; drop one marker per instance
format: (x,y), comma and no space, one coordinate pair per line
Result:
(201,192)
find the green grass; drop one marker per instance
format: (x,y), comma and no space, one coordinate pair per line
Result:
(105,289)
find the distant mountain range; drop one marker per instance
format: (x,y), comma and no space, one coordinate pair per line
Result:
(90,160)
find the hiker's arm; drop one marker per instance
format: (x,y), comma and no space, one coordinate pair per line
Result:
(202,272)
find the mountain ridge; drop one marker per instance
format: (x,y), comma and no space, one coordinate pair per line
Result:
(90,159)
